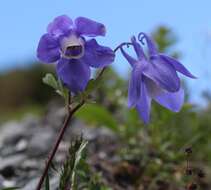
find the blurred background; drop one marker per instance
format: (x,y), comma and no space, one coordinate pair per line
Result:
(181,29)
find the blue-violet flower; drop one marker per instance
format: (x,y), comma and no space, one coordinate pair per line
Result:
(65,44)
(154,77)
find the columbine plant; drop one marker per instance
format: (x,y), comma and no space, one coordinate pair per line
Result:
(66,43)
(155,78)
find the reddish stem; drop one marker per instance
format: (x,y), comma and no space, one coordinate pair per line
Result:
(59,138)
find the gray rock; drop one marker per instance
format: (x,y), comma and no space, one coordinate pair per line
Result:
(30,121)
(7,151)
(32,164)
(17,148)
(1,181)
(11,133)
(8,172)
(55,117)
(9,183)
(13,161)
(41,142)
(31,185)
(54,183)
(21,145)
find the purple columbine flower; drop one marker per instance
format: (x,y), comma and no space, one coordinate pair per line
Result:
(154,77)
(65,43)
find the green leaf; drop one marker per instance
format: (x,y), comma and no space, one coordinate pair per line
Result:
(70,166)
(50,80)
(79,152)
(77,160)
(62,91)
(94,113)
(11,188)
(53,167)
(91,86)
(47,183)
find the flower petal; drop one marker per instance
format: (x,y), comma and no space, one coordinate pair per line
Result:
(152,47)
(74,73)
(144,105)
(177,65)
(138,49)
(48,49)
(130,59)
(171,101)
(96,55)
(60,25)
(89,27)
(152,88)
(134,87)
(163,74)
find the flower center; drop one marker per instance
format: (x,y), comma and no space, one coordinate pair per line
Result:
(74,51)
(72,47)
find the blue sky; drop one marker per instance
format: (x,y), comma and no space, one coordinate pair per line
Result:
(24,21)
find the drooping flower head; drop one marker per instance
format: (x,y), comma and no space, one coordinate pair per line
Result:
(65,44)
(154,77)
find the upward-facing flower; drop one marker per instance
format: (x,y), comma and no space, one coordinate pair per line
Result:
(65,43)
(155,78)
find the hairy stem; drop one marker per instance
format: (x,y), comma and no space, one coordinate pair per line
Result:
(59,138)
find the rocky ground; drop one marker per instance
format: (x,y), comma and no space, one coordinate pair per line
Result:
(24,146)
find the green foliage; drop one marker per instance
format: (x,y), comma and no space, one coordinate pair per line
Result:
(47,182)
(76,173)
(22,89)
(11,188)
(50,80)
(99,115)
(89,180)
(92,85)
(68,174)
(165,38)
